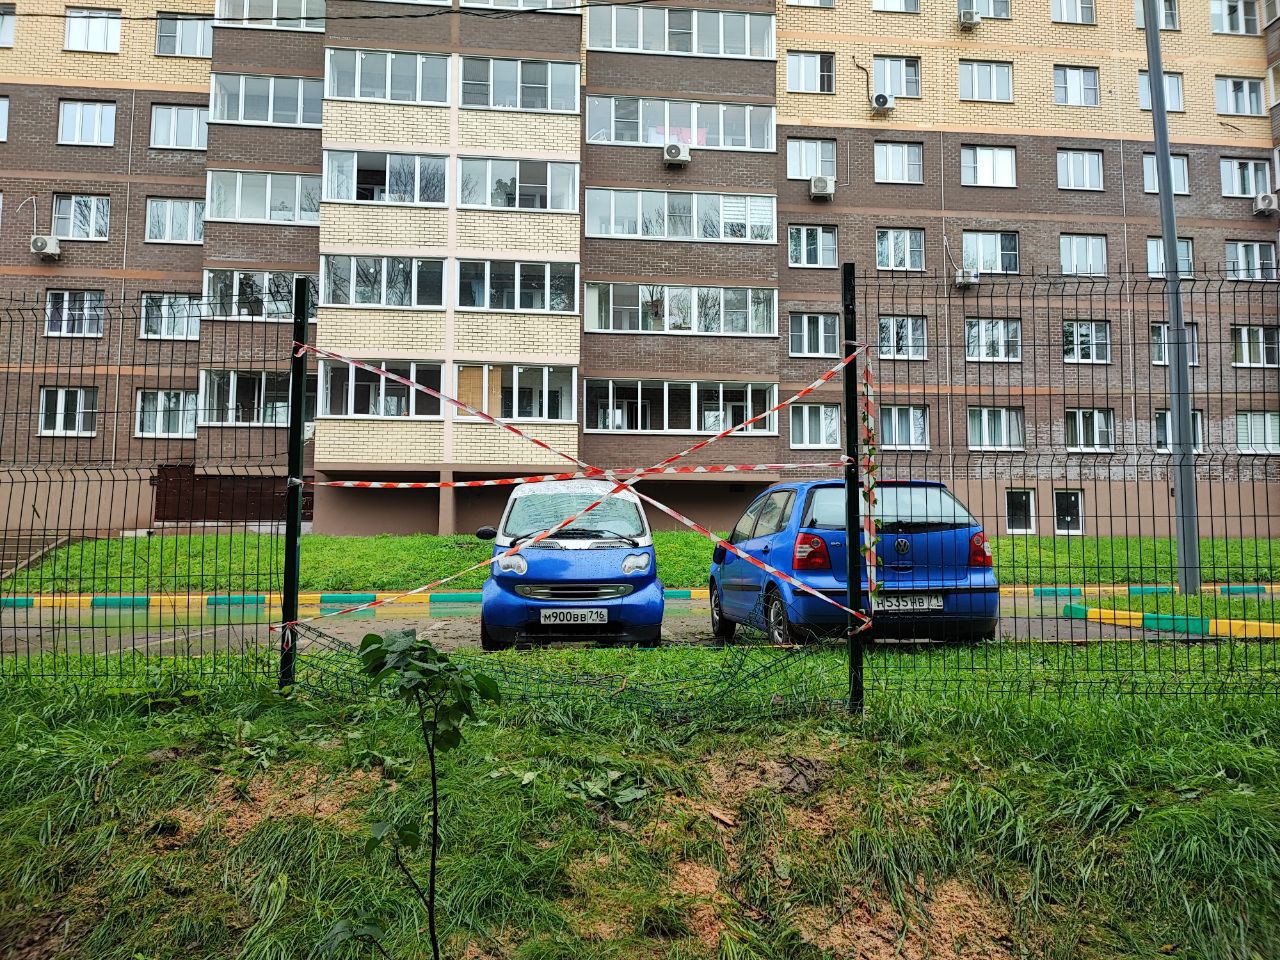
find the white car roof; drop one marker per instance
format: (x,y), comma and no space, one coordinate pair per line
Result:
(597,487)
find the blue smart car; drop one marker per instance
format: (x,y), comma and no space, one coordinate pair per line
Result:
(934,565)
(595,580)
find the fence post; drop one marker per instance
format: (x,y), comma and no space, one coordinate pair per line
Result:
(852,493)
(293,491)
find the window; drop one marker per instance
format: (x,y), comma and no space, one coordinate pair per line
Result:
(175,220)
(1163,431)
(244,398)
(523,393)
(810,158)
(703,33)
(1270,10)
(1020,511)
(898,249)
(1239,96)
(179,35)
(985,80)
(988,167)
(95,31)
(1090,430)
(570,5)
(815,335)
(8,18)
(1151,174)
(1086,341)
(272,14)
(86,124)
(80,217)
(897,76)
(991,9)
(383,177)
(657,215)
(1079,169)
(1083,254)
(904,428)
(171,316)
(1168,14)
(511,285)
(1245,178)
(811,3)
(996,428)
(1258,432)
(4,119)
(383,282)
(519,84)
(1155,257)
(166,413)
(990,252)
(395,77)
(1160,344)
(726,126)
(68,411)
(667,406)
(346,390)
(896,6)
(646,308)
(279,101)
(1172,91)
(811,73)
(74,313)
(1255,346)
(902,338)
(1075,86)
(811,246)
(1073,11)
(523,184)
(263,197)
(993,340)
(180,128)
(1250,261)
(899,163)
(1068,512)
(1234,16)
(249,293)
(815,426)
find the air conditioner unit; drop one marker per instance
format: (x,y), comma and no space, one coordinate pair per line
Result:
(969,18)
(966,279)
(47,247)
(822,188)
(676,154)
(882,103)
(1265,204)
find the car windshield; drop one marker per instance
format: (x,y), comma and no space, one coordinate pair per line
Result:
(541,511)
(900,508)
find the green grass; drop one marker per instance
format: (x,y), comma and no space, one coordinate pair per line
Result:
(228,824)
(253,563)
(1211,605)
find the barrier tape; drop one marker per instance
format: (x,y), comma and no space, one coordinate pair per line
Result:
(868,447)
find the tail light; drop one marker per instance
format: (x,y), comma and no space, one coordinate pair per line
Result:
(979,550)
(810,553)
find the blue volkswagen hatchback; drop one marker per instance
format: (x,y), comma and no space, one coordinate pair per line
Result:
(595,580)
(934,565)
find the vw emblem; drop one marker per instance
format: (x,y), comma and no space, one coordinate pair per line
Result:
(902,545)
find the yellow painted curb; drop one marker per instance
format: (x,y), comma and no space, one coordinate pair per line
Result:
(1244,628)
(1120,618)
(699,593)
(415,598)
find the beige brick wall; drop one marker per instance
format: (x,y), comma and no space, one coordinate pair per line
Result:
(554,234)
(38,51)
(1033,43)
(382,334)
(379,226)
(550,338)
(379,441)
(484,443)
(486,130)
(347,121)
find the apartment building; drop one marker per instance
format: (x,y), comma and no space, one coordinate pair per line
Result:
(621,228)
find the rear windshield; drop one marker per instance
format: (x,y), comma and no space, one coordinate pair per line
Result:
(541,511)
(899,509)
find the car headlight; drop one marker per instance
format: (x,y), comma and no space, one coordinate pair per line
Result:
(636,563)
(513,564)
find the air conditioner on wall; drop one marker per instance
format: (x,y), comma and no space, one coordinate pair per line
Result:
(969,18)
(1265,204)
(822,188)
(882,103)
(676,154)
(47,248)
(967,278)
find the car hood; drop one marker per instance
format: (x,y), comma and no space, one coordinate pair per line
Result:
(602,564)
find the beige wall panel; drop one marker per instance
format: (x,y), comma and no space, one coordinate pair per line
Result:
(381,334)
(546,233)
(379,226)
(483,443)
(535,338)
(346,120)
(379,441)
(514,130)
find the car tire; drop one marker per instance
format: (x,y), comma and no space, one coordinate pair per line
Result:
(650,643)
(972,639)
(722,629)
(488,643)
(778,626)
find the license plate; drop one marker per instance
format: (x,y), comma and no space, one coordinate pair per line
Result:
(558,617)
(911,602)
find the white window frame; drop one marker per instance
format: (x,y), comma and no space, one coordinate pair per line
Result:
(804,329)
(4,119)
(1170,15)
(903,337)
(347,264)
(1093,349)
(891,155)
(993,340)
(810,158)
(60,411)
(1030,529)
(312,84)
(800,434)
(811,3)
(984,251)
(235,13)
(1197,428)
(995,75)
(1252,171)
(1155,257)
(521,66)
(1238,17)
(915,415)
(1076,86)
(8,24)
(1095,429)
(708,31)
(1258,432)
(331,192)
(758,225)
(1229,99)
(518,370)
(199,126)
(357,79)
(299,192)
(98,220)
(602,113)
(827,242)
(1066,531)
(811,72)
(1180,164)
(517,269)
(1258,265)
(554,168)
(1010,420)
(988,166)
(1174,96)
(1074,11)
(1159,344)
(895,6)
(897,76)
(1095,245)
(1255,345)
(92,30)
(178,316)
(1089,161)
(195,219)
(657,310)
(700,393)
(887,240)
(414,396)
(187,402)
(992,9)
(84,313)
(228,414)
(103,115)
(271,309)
(203,35)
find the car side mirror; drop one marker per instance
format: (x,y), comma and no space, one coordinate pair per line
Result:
(718,555)
(487,533)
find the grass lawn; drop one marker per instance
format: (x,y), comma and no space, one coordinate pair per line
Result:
(226,823)
(253,563)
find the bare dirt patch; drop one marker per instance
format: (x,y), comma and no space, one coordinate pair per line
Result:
(700,884)
(297,791)
(731,781)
